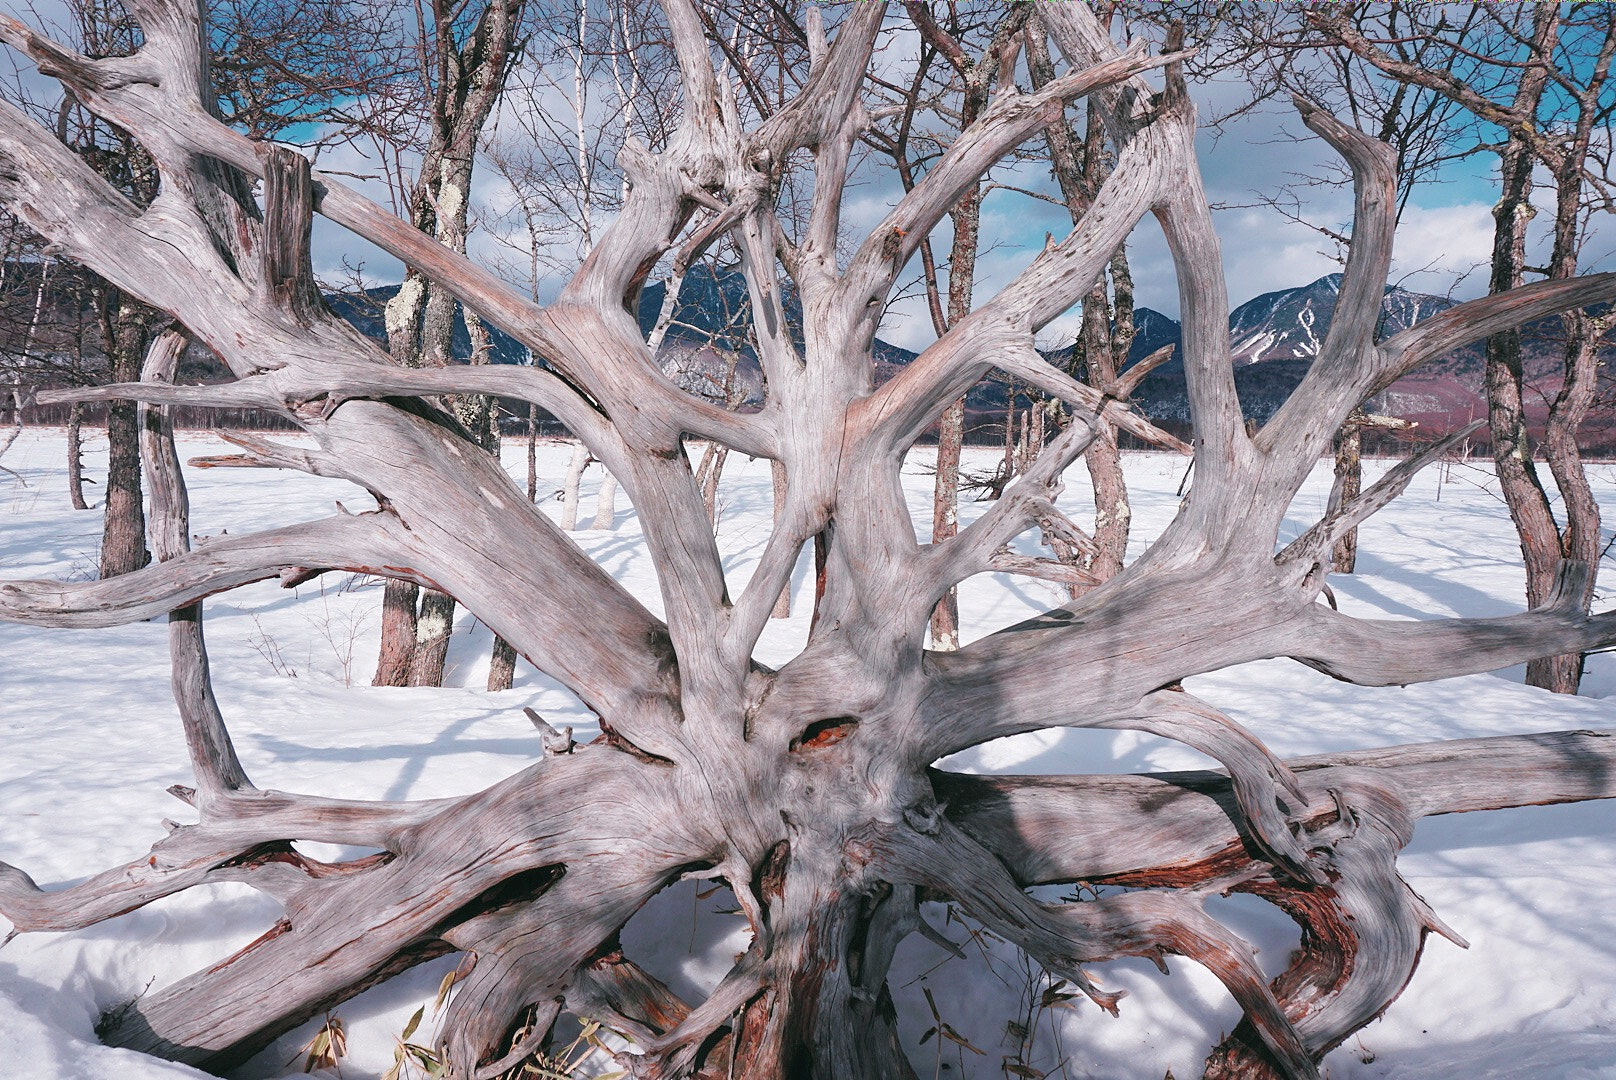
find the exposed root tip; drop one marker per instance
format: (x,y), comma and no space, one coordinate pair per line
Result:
(1293,786)
(936,937)
(739,876)
(1105,1000)
(1434,922)
(555,742)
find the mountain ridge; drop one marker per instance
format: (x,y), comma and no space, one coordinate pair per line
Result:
(1273,338)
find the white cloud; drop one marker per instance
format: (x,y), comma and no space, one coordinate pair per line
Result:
(1444,249)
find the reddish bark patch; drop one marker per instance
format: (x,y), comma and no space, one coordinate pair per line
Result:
(265,938)
(823,733)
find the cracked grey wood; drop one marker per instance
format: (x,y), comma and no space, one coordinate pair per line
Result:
(807,789)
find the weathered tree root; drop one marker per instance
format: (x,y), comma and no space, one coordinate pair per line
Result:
(1363,929)
(806,789)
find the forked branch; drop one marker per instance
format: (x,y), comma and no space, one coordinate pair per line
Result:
(364,543)
(1317,542)
(1382,653)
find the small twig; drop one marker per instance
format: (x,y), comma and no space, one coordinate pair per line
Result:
(555,742)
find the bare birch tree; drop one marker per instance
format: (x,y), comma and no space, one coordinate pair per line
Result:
(465,58)
(808,789)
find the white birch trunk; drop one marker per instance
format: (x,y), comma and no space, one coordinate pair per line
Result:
(570,486)
(606,504)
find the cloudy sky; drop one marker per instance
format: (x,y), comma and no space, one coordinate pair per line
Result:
(1443,241)
(1442,245)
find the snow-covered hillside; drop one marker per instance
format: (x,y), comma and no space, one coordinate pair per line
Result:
(90,742)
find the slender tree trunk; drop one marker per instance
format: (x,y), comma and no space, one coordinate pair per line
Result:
(123,538)
(570,485)
(13,399)
(400,599)
(606,503)
(966,216)
(532,453)
(945,517)
(433,628)
(777,473)
(502,665)
(1506,411)
(978,75)
(469,78)
(398,633)
(1582,539)
(1518,478)
(709,483)
(1112,511)
(75,456)
(1348,485)
(1107,330)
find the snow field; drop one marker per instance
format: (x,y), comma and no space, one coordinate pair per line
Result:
(89,741)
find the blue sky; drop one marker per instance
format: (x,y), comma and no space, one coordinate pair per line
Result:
(1443,243)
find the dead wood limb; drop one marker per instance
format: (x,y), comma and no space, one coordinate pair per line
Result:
(1363,929)
(1031,821)
(364,543)
(1261,781)
(1000,331)
(244,834)
(1031,566)
(214,763)
(1317,542)
(1062,937)
(1029,498)
(1373,652)
(1129,380)
(1331,388)
(1008,122)
(1474,320)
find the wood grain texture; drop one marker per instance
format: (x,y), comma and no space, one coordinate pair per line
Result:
(808,790)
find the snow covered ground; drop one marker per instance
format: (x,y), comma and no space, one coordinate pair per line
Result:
(89,742)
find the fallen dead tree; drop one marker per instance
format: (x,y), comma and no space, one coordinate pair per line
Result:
(808,789)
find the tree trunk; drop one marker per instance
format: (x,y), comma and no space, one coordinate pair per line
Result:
(606,504)
(532,454)
(1347,487)
(1506,411)
(777,473)
(945,517)
(400,599)
(977,76)
(1112,511)
(502,665)
(712,472)
(966,218)
(465,78)
(1581,540)
(75,456)
(570,485)
(1106,336)
(399,616)
(123,538)
(433,628)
